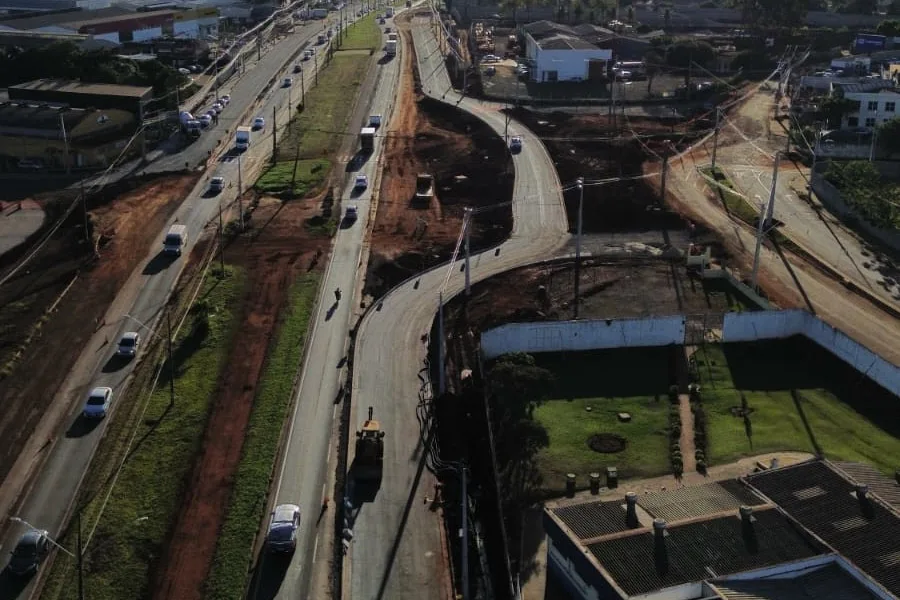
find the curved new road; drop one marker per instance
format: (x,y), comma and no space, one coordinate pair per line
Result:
(396,547)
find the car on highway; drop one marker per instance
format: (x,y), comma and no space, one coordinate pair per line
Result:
(307,54)
(205,120)
(216,185)
(30,164)
(259,123)
(381,21)
(30,550)
(283,526)
(490,58)
(351,214)
(288,82)
(515,144)
(490,70)
(217,108)
(298,68)
(362,182)
(225,99)
(184,71)
(129,344)
(98,402)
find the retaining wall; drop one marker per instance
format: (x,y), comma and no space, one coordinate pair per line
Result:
(574,336)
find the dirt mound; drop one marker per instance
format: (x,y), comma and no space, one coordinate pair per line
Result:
(607,443)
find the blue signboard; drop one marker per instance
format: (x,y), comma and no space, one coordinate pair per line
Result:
(866,43)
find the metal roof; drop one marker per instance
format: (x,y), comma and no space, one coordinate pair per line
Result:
(64,17)
(866,532)
(593,519)
(827,583)
(695,501)
(78,87)
(561,41)
(886,488)
(699,550)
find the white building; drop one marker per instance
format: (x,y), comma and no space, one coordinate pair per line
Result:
(873,108)
(556,53)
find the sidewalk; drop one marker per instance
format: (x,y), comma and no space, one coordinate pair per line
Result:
(18,221)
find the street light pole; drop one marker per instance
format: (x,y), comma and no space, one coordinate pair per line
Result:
(468,225)
(440,343)
(716,140)
(578,242)
(239,190)
(80,559)
(169,352)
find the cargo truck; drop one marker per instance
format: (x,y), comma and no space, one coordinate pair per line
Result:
(189,125)
(319,13)
(389,12)
(367,139)
(390,48)
(175,240)
(242,138)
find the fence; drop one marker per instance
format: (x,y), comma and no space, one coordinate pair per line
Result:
(574,336)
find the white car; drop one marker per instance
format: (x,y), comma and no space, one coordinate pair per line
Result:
(184,71)
(98,402)
(362,182)
(217,108)
(288,82)
(205,120)
(225,99)
(216,185)
(490,58)
(283,526)
(129,344)
(259,123)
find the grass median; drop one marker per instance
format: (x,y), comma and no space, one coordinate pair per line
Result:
(318,130)
(134,510)
(234,549)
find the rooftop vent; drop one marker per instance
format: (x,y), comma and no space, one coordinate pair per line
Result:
(631,509)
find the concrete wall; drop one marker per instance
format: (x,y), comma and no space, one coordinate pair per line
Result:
(568,64)
(832,199)
(574,336)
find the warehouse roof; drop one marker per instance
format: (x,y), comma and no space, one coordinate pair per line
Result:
(78,87)
(562,41)
(64,18)
(856,524)
(830,582)
(695,501)
(645,560)
(884,487)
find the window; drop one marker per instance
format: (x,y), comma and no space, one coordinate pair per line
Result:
(870,122)
(873,104)
(889,106)
(852,121)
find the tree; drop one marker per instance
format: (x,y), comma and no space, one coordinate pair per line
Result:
(894,8)
(781,13)
(834,108)
(686,53)
(519,386)
(653,61)
(667,18)
(630,14)
(889,28)
(889,135)
(753,60)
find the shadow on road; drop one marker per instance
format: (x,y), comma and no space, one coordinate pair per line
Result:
(358,160)
(362,490)
(115,363)
(81,427)
(158,263)
(268,575)
(330,312)
(385,59)
(11,586)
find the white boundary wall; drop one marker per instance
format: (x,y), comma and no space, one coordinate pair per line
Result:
(569,336)
(597,334)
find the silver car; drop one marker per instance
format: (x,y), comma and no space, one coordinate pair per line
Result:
(282,534)
(128,345)
(98,403)
(30,550)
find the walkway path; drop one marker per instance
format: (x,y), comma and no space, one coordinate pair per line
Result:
(18,221)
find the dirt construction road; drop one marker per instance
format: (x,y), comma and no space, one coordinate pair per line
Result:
(396,541)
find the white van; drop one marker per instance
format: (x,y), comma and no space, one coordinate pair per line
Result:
(176,240)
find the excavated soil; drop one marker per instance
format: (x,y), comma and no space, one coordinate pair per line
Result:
(125,219)
(277,250)
(471,167)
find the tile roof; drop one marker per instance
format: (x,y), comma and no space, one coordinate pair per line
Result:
(886,488)
(866,532)
(828,583)
(695,501)
(699,550)
(562,41)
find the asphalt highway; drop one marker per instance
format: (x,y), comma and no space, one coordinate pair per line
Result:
(396,547)
(141,303)
(303,476)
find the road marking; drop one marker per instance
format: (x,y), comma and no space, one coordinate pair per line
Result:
(315,549)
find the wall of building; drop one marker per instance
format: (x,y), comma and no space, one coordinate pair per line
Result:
(568,64)
(886,107)
(574,336)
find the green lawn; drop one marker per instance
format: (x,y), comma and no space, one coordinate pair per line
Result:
(282,178)
(635,381)
(847,417)
(735,204)
(134,523)
(317,132)
(251,483)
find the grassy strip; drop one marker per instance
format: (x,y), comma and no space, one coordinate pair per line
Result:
(281,178)
(734,203)
(633,381)
(234,548)
(798,397)
(137,517)
(365,34)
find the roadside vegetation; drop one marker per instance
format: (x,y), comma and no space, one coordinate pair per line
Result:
(127,512)
(318,130)
(864,189)
(230,570)
(791,395)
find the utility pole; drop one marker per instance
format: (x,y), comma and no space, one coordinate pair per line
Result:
(84,212)
(663,175)
(65,137)
(79,557)
(221,241)
(316,59)
(716,139)
(169,351)
(578,242)
(441,384)
(258,47)
(468,226)
(464,515)
(302,89)
(275,130)
(759,237)
(612,102)
(770,209)
(240,202)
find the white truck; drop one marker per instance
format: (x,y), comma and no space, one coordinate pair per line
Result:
(189,124)
(390,47)
(242,138)
(175,240)
(389,12)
